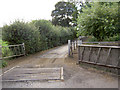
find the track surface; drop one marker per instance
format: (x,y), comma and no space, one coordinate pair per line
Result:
(75,76)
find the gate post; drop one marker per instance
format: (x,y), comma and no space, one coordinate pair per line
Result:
(79,43)
(69,44)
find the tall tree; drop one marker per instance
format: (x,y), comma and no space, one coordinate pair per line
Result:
(62,15)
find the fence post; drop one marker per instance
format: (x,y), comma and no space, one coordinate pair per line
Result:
(24,48)
(69,44)
(78,44)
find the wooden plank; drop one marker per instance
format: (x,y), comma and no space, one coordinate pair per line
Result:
(117,47)
(82,53)
(98,55)
(90,53)
(61,74)
(108,55)
(99,64)
(102,42)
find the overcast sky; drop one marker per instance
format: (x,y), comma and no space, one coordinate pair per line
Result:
(11,10)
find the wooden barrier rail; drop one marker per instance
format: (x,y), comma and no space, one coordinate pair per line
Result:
(107,56)
(16,50)
(102,55)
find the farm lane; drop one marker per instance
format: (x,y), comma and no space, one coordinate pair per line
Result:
(74,75)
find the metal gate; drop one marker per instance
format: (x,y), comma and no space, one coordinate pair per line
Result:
(12,51)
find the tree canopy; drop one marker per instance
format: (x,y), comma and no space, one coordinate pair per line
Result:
(62,15)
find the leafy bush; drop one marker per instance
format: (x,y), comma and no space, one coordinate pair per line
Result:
(100,21)
(114,38)
(21,32)
(37,35)
(5,50)
(3,63)
(92,39)
(51,35)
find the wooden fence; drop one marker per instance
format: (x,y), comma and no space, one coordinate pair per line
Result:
(12,51)
(107,56)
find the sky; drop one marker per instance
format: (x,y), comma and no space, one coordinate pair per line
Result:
(27,10)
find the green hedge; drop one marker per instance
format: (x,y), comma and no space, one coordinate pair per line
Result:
(51,35)
(37,35)
(21,32)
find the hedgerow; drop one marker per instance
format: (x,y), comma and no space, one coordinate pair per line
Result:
(21,32)
(51,35)
(37,35)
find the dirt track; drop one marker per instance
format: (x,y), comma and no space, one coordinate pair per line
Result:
(74,75)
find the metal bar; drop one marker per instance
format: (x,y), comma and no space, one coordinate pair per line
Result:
(98,55)
(99,64)
(13,56)
(15,50)
(108,55)
(13,45)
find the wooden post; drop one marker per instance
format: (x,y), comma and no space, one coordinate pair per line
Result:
(74,45)
(24,48)
(69,44)
(78,54)
(79,43)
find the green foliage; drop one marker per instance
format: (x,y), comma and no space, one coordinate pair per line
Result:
(114,38)
(92,39)
(100,21)
(3,63)
(37,35)
(51,35)
(63,13)
(5,50)
(21,32)
(45,29)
